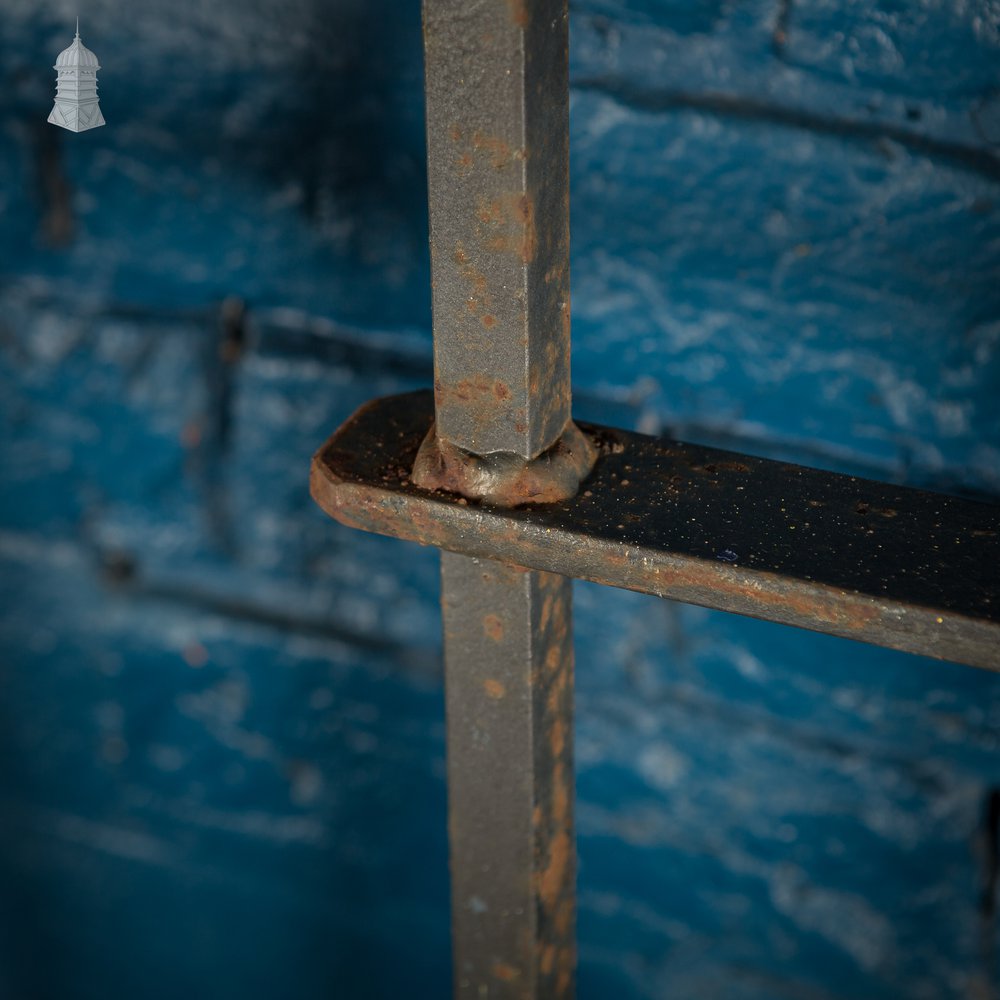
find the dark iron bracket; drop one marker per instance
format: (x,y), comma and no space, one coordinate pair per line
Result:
(897,567)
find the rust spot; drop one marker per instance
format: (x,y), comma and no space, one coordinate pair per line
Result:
(557,735)
(518,12)
(489,321)
(455,132)
(564,918)
(493,627)
(553,660)
(440,465)
(490,212)
(479,299)
(546,615)
(560,798)
(547,962)
(495,147)
(713,467)
(469,389)
(464,163)
(494,688)
(863,507)
(505,973)
(553,878)
(529,243)
(561,626)
(564,978)
(509,226)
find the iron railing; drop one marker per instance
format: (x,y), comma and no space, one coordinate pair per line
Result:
(492,470)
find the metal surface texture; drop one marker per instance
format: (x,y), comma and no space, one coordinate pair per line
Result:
(509,690)
(497,99)
(897,567)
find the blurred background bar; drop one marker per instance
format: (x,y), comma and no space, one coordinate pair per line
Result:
(222,716)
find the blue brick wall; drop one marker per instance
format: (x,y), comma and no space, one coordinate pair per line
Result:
(221,722)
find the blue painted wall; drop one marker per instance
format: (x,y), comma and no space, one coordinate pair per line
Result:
(221,715)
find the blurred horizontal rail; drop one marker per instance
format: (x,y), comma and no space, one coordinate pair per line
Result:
(726,105)
(883,564)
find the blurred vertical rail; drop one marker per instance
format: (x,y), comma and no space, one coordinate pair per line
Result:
(498,142)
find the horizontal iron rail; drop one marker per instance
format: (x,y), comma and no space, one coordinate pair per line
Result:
(884,564)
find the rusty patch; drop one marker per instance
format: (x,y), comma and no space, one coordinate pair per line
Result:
(547,961)
(863,507)
(553,660)
(564,980)
(526,216)
(489,211)
(496,148)
(714,467)
(494,688)
(518,12)
(503,478)
(547,604)
(479,299)
(471,389)
(505,973)
(554,876)
(508,226)
(493,627)
(561,800)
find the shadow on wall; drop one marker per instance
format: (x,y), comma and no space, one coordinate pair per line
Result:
(303,106)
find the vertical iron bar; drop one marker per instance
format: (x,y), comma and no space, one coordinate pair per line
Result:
(497,84)
(498,178)
(509,682)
